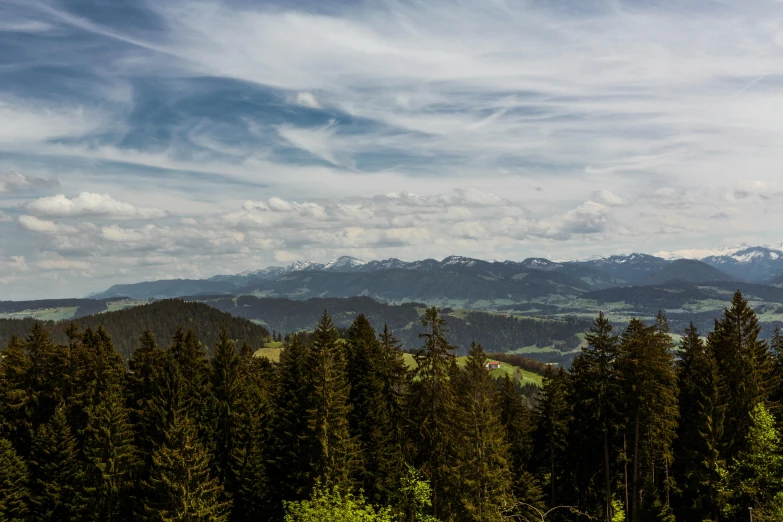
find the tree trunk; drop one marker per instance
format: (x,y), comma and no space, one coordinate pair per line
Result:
(607,477)
(635,485)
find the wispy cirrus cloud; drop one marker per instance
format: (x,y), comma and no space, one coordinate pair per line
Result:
(283,131)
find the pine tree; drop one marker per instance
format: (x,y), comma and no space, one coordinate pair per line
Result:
(146,367)
(289,469)
(480,473)
(595,396)
(180,478)
(226,408)
(13,484)
(553,417)
(331,450)
(193,366)
(745,369)
(650,389)
(430,408)
(256,378)
(517,419)
(15,423)
(372,382)
(757,471)
(56,472)
(111,457)
(697,461)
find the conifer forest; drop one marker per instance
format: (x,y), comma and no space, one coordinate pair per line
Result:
(640,428)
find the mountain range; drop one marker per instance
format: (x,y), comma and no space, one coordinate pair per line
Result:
(470,282)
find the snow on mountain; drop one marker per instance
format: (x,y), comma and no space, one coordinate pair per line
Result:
(344,263)
(701,253)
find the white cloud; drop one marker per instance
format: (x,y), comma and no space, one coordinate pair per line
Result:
(33,224)
(90,204)
(307,99)
(5,218)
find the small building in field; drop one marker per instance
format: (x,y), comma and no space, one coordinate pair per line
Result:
(492,365)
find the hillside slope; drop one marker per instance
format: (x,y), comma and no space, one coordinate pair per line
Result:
(162,318)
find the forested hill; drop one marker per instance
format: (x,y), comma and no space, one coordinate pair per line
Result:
(161,318)
(495,332)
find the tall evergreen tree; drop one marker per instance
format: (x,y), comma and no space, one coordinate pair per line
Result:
(145,368)
(595,398)
(57,475)
(553,417)
(330,446)
(480,473)
(431,408)
(226,408)
(650,390)
(517,419)
(180,478)
(745,368)
(15,422)
(111,458)
(288,469)
(697,461)
(370,380)
(14,494)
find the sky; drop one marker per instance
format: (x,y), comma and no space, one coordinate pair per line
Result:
(144,140)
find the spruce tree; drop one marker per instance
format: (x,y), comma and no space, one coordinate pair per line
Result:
(480,473)
(57,474)
(745,368)
(330,447)
(372,382)
(111,458)
(14,494)
(15,422)
(145,369)
(595,397)
(518,421)
(289,468)
(553,417)
(697,462)
(180,479)
(430,408)
(226,408)
(650,389)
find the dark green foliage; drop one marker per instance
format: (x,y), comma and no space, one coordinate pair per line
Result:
(430,408)
(376,375)
(56,489)
(697,462)
(180,481)
(14,495)
(289,469)
(553,416)
(110,456)
(480,478)
(161,318)
(745,369)
(595,397)
(191,433)
(646,367)
(330,448)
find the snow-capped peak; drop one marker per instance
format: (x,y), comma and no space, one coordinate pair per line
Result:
(344,262)
(459,260)
(701,253)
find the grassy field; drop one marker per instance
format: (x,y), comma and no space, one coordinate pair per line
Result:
(524,376)
(48,314)
(271,351)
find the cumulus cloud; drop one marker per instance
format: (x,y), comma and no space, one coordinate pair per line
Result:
(33,224)
(90,204)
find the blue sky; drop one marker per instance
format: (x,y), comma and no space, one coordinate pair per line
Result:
(143,140)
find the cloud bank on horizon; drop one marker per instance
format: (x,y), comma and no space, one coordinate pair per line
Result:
(143,140)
